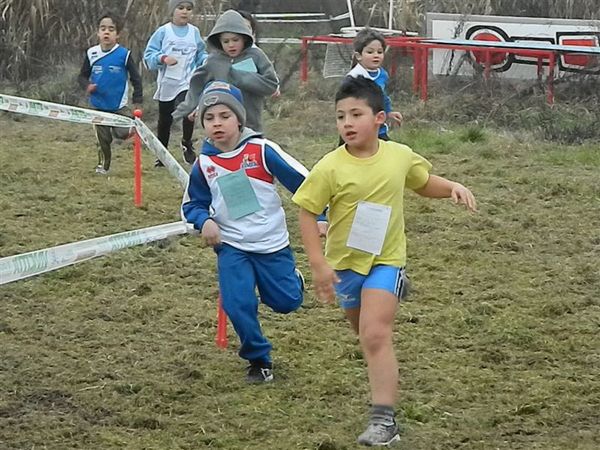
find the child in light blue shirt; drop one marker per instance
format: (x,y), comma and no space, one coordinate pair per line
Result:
(175,50)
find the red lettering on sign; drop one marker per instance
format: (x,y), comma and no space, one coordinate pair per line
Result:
(580,60)
(496,58)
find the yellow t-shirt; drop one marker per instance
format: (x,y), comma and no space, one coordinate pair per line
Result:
(341,181)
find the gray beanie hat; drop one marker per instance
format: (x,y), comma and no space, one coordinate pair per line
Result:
(173,4)
(223,93)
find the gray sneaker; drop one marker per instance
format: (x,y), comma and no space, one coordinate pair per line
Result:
(380,435)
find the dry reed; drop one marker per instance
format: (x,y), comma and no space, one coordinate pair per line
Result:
(38,35)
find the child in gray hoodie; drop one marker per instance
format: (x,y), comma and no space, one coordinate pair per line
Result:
(234,59)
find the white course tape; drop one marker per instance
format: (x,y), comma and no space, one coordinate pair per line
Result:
(159,150)
(81,115)
(62,112)
(17,267)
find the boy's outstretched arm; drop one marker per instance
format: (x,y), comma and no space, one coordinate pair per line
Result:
(324,276)
(439,187)
(291,173)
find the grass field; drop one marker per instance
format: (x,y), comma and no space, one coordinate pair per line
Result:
(498,343)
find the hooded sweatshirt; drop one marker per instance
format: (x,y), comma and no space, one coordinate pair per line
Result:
(250,71)
(263,231)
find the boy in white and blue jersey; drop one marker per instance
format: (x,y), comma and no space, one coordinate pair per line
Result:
(104,74)
(232,199)
(175,50)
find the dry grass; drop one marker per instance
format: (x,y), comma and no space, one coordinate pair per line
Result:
(41,34)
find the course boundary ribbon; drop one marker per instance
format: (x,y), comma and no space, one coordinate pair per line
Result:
(62,112)
(18,267)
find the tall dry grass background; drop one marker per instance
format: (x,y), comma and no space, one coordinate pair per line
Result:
(38,35)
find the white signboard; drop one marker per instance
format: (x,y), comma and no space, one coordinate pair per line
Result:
(511,29)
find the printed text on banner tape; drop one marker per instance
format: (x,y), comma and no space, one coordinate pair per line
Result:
(61,112)
(17,267)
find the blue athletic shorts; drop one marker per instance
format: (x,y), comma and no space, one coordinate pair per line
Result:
(388,278)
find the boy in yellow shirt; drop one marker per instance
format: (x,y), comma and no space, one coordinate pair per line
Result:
(363,183)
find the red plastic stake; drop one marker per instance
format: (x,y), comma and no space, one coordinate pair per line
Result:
(137,164)
(221,339)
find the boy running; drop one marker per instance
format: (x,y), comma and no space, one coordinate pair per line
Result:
(363,183)
(369,52)
(103,75)
(232,199)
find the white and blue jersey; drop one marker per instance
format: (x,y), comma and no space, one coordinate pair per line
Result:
(108,71)
(380,77)
(263,231)
(254,253)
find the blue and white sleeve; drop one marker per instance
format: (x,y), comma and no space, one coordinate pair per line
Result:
(289,171)
(195,206)
(201,52)
(387,101)
(153,52)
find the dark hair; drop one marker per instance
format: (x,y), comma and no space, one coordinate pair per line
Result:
(114,17)
(366,36)
(253,23)
(363,89)
(363,38)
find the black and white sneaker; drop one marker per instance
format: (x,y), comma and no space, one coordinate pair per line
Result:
(259,372)
(101,170)
(188,152)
